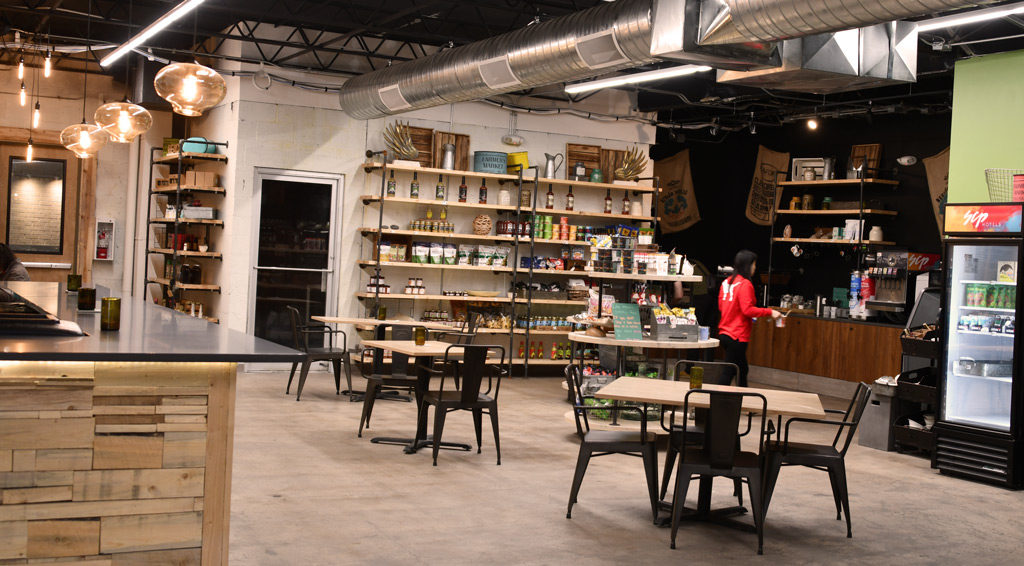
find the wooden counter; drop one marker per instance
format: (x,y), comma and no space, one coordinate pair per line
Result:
(836,348)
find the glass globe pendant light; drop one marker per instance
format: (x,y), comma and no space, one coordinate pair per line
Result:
(123,121)
(190,88)
(84,139)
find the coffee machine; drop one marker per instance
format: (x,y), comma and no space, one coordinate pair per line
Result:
(888,272)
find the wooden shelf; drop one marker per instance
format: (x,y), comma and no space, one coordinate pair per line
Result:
(444,235)
(367,199)
(837,182)
(646,277)
(189,189)
(491,268)
(541,362)
(551,302)
(508,177)
(185,286)
(559,272)
(835,242)
(846,212)
(168,251)
(585,214)
(208,221)
(190,156)
(589,185)
(404,297)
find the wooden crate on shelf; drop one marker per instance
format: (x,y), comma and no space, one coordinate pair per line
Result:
(461,143)
(590,155)
(611,159)
(423,141)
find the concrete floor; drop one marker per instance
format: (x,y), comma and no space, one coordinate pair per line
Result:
(307,491)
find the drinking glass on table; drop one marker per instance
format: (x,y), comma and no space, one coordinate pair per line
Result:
(419,334)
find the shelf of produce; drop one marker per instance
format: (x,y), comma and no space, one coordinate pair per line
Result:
(442,235)
(646,277)
(1007,283)
(989,309)
(404,297)
(208,221)
(843,212)
(837,182)
(186,253)
(833,242)
(367,199)
(190,156)
(491,268)
(551,302)
(185,286)
(188,189)
(435,171)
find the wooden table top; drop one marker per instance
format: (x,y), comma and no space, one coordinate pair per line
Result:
(362,321)
(663,344)
(409,347)
(663,392)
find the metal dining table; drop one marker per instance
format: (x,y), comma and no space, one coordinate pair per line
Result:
(780,404)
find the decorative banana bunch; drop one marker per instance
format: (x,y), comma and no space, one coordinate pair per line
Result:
(399,141)
(663,310)
(632,165)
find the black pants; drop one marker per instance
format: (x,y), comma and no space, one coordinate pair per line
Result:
(736,353)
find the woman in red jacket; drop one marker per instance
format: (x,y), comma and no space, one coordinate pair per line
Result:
(738,305)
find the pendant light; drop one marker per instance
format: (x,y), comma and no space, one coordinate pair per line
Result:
(21,68)
(23,94)
(190,88)
(36,115)
(47,65)
(123,121)
(84,139)
(28,151)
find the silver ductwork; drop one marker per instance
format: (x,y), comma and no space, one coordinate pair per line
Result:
(586,44)
(738,21)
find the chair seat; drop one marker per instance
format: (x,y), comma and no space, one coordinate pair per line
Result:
(743,460)
(451,397)
(616,437)
(803,453)
(325,352)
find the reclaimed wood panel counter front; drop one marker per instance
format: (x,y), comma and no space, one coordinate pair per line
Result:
(115,448)
(829,347)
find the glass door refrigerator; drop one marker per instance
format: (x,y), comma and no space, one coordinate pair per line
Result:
(978,431)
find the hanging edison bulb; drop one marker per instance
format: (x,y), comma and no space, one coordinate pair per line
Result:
(21,69)
(23,95)
(36,116)
(85,140)
(123,121)
(28,151)
(190,88)
(47,65)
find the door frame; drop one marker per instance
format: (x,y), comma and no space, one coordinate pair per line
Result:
(334,236)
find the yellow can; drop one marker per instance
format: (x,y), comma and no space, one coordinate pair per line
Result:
(518,158)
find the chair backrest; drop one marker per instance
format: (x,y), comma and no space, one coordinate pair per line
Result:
(715,373)
(574,380)
(853,413)
(399,362)
(473,318)
(721,429)
(471,366)
(296,319)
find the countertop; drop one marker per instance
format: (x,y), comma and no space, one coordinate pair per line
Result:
(148,333)
(850,320)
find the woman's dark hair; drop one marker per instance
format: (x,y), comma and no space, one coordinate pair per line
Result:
(6,257)
(742,263)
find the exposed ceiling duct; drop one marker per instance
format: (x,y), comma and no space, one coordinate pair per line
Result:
(738,21)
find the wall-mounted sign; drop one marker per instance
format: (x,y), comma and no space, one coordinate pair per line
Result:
(983,218)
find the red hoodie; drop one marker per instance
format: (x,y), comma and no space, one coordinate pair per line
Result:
(738,306)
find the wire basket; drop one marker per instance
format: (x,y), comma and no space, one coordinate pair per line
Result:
(1001,184)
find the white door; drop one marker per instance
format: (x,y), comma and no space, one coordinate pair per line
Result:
(297,247)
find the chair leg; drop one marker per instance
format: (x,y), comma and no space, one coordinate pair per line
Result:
(337,376)
(679,499)
(670,462)
(835,493)
(757,509)
(650,455)
(493,411)
(577,479)
(737,490)
(302,378)
(840,469)
(439,415)
(478,418)
(291,375)
(347,360)
(371,394)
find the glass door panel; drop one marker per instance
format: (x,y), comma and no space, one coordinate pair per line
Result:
(982,283)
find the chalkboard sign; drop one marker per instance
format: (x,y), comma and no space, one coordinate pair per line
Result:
(626,317)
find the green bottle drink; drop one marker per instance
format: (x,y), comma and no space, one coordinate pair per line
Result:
(696,377)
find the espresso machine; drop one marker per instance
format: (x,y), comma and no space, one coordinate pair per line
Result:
(889,274)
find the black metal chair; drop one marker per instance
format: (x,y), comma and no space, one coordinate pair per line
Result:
(595,443)
(467,363)
(716,373)
(720,454)
(829,458)
(300,337)
(379,382)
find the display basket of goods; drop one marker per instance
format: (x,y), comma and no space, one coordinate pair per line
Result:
(672,324)
(482,225)
(922,342)
(1005,185)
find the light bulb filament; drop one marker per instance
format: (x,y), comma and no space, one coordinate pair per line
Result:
(190,88)
(28,152)
(85,140)
(36,114)
(23,95)
(47,66)
(21,69)
(124,122)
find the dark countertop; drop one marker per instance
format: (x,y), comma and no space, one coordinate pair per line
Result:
(149,333)
(850,320)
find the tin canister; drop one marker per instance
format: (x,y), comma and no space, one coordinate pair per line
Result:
(516,159)
(808,201)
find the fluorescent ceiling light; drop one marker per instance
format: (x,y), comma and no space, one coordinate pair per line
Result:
(636,78)
(975,16)
(152,29)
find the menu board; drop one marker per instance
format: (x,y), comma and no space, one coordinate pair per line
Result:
(983,218)
(626,317)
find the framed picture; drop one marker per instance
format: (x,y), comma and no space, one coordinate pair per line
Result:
(1006,271)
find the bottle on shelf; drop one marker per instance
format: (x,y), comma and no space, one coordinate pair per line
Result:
(391,184)
(439,190)
(625,202)
(463,190)
(414,187)
(570,199)
(533,349)
(482,199)
(549,201)
(554,351)
(608,202)
(522,347)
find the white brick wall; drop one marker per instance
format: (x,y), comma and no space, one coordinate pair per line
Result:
(35,215)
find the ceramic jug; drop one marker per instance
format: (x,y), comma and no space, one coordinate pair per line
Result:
(550,167)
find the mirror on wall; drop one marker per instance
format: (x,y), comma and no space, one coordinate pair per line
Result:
(35,207)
